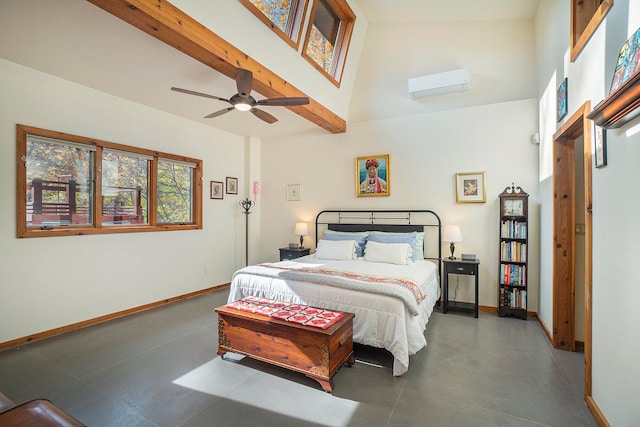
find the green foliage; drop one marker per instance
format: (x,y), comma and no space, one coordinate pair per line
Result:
(174,192)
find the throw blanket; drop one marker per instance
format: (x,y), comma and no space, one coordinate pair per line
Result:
(407,290)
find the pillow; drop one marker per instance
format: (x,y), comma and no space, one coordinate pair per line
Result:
(336,250)
(418,251)
(410,238)
(391,253)
(359,236)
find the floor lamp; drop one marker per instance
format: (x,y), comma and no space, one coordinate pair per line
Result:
(246,206)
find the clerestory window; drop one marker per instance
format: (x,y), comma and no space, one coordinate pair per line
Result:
(284,17)
(71,185)
(328,37)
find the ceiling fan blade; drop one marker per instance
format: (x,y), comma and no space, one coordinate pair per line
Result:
(191,92)
(263,115)
(244,82)
(284,101)
(218,113)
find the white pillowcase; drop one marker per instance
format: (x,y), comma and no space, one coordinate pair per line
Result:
(391,253)
(336,249)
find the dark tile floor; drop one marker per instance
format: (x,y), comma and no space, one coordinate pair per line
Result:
(160,368)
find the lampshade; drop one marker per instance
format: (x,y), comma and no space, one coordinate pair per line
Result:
(302,229)
(451,234)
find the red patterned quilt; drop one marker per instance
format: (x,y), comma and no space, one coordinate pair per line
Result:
(289,312)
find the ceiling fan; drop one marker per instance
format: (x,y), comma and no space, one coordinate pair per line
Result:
(243,100)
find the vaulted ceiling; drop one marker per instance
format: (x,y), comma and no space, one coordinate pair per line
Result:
(140,59)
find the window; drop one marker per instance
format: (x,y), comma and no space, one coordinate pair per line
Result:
(328,37)
(175,188)
(284,17)
(71,185)
(586,16)
(125,188)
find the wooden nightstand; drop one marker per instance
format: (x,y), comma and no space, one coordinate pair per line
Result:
(458,266)
(286,253)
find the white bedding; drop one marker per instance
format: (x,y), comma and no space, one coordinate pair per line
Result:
(381,321)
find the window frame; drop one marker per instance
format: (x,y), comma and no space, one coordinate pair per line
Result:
(293,33)
(24,231)
(341,48)
(579,16)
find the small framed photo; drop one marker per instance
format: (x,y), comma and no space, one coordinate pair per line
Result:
(600,146)
(217,190)
(561,99)
(294,192)
(232,185)
(470,187)
(372,176)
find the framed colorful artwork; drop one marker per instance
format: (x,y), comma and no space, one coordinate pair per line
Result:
(628,61)
(470,187)
(561,99)
(372,176)
(217,190)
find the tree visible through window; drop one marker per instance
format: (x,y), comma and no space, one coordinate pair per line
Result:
(175,188)
(328,37)
(284,17)
(70,185)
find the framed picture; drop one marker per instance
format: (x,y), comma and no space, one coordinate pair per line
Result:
(232,185)
(600,146)
(470,187)
(217,190)
(294,192)
(628,61)
(562,99)
(372,176)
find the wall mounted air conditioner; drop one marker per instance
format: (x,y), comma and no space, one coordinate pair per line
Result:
(441,83)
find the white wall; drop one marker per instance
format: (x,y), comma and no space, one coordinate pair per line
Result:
(615,340)
(426,151)
(51,282)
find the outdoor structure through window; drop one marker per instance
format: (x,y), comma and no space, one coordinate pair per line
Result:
(71,185)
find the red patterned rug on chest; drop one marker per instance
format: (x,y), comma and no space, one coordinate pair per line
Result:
(289,312)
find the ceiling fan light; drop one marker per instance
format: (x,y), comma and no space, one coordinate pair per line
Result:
(242,106)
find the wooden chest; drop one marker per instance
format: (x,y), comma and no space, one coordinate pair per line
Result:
(316,352)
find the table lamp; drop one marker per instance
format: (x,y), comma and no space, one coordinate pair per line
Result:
(452,234)
(301,230)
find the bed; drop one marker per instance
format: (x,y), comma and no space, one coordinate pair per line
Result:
(392,314)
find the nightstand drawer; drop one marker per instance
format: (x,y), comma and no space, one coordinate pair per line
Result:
(287,253)
(457,268)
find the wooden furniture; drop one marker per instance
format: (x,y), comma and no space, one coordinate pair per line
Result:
(512,267)
(38,412)
(315,352)
(288,253)
(458,266)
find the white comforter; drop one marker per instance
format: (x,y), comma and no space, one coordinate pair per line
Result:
(381,320)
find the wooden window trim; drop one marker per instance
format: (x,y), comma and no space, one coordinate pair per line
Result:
(23,231)
(580,39)
(294,26)
(347,24)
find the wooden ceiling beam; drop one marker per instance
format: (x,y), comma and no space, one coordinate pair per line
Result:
(167,23)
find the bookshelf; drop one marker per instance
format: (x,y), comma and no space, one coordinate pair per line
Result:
(514,256)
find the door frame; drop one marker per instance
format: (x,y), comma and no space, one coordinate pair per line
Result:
(563,333)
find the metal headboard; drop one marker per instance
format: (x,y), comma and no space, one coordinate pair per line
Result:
(397,221)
